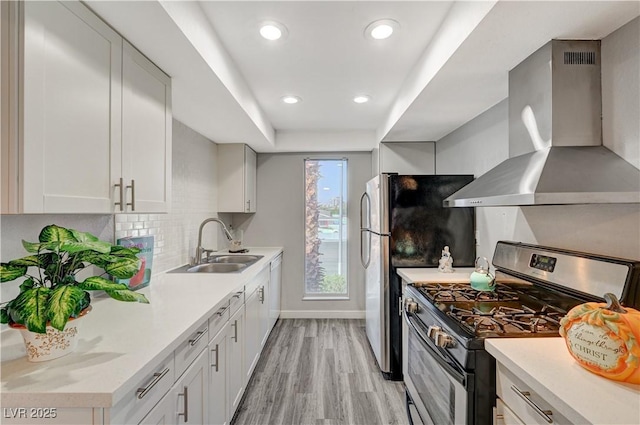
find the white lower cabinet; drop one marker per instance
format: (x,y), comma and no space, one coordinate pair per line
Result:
(518,403)
(186,402)
(218,377)
(235,362)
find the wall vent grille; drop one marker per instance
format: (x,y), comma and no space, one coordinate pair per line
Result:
(579,58)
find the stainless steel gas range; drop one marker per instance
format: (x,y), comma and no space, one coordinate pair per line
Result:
(450,378)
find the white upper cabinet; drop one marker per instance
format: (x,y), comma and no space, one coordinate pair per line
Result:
(90,114)
(236,178)
(146,133)
(71,110)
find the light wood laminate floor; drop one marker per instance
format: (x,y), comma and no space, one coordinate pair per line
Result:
(320,372)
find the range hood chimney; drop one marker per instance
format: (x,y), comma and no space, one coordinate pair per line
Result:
(555,109)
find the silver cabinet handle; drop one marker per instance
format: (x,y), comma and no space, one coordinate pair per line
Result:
(235,331)
(198,337)
(133,195)
(222,310)
(238,294)
(249,205)
(141,392)
(120,203)
(525,396)
(185,405)
(216,351)
(261,294)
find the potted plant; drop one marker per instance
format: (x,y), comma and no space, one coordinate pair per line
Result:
(51,299)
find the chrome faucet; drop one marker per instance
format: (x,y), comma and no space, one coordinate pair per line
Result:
(199,249)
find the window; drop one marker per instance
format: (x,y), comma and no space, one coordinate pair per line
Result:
(325,271)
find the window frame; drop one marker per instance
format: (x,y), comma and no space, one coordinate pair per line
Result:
(313,296)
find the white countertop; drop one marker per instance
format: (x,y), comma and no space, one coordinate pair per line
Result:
(459,275)
(120,342)
(547,367)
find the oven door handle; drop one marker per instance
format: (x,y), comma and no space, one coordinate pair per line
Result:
(442,361)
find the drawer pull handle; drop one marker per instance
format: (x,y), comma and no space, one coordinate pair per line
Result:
(120,202)
(222,310)
(141,392)
(238,294)
(525,396)
(185,405)
(198,337)
(262,295)
(216,351)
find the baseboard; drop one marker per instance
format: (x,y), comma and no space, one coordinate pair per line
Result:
(322,314)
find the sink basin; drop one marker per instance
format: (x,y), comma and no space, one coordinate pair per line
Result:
(221,264)
(216,268)
(240,259)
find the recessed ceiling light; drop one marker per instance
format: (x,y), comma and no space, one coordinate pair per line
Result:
(363,98)
(291,99)
(381,29)
(272,31)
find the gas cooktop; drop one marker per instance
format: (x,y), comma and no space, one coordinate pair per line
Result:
(510,310)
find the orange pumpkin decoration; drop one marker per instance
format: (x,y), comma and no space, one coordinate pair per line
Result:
(603,338)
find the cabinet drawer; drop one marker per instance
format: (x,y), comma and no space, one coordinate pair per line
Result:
(187,352)
(134,406)
(219,318)
(504,415)
(525,403)
(237,300)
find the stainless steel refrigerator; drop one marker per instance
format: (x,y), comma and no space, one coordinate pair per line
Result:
(403,224)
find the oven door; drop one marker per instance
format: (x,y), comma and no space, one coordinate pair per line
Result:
(438,386)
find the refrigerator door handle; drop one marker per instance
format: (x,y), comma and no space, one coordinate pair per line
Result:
(364,263)
(364,196)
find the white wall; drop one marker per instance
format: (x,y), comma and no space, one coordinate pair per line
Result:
(279,221)
(612,229)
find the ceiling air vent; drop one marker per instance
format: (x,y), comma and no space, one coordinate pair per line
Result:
(579,58)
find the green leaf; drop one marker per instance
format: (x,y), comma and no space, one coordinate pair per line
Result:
(121,251)
(27,284)
(31,260)
(123,269)
(127,295)
(35,247)
(32,307)
(83,236)
(63,302)
(4,316)
(53,233)
(9,272)
(97,283)
(73,247)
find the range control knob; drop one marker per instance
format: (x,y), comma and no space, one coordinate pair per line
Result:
(444,340)
(410,305)
(432,331)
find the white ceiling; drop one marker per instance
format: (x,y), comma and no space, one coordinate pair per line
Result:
(447,63)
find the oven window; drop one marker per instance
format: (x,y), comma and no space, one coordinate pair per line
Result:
(435,389)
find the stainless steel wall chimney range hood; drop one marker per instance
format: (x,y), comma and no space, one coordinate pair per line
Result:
(555,106)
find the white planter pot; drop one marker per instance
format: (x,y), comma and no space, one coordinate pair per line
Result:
(53,344)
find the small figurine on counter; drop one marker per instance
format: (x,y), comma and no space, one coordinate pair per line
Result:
(446,262)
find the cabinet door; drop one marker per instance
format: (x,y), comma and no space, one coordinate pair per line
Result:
(218,377)
(191,392)
(250,168)
(235,369)
(163,413)
(252,332)
(71,108)
(264,294)
(275,284)
(146,133)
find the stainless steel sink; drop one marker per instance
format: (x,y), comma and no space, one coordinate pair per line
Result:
(216,268)
(240,259)
(221,264)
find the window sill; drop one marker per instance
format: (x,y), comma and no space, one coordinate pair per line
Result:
(325,298)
